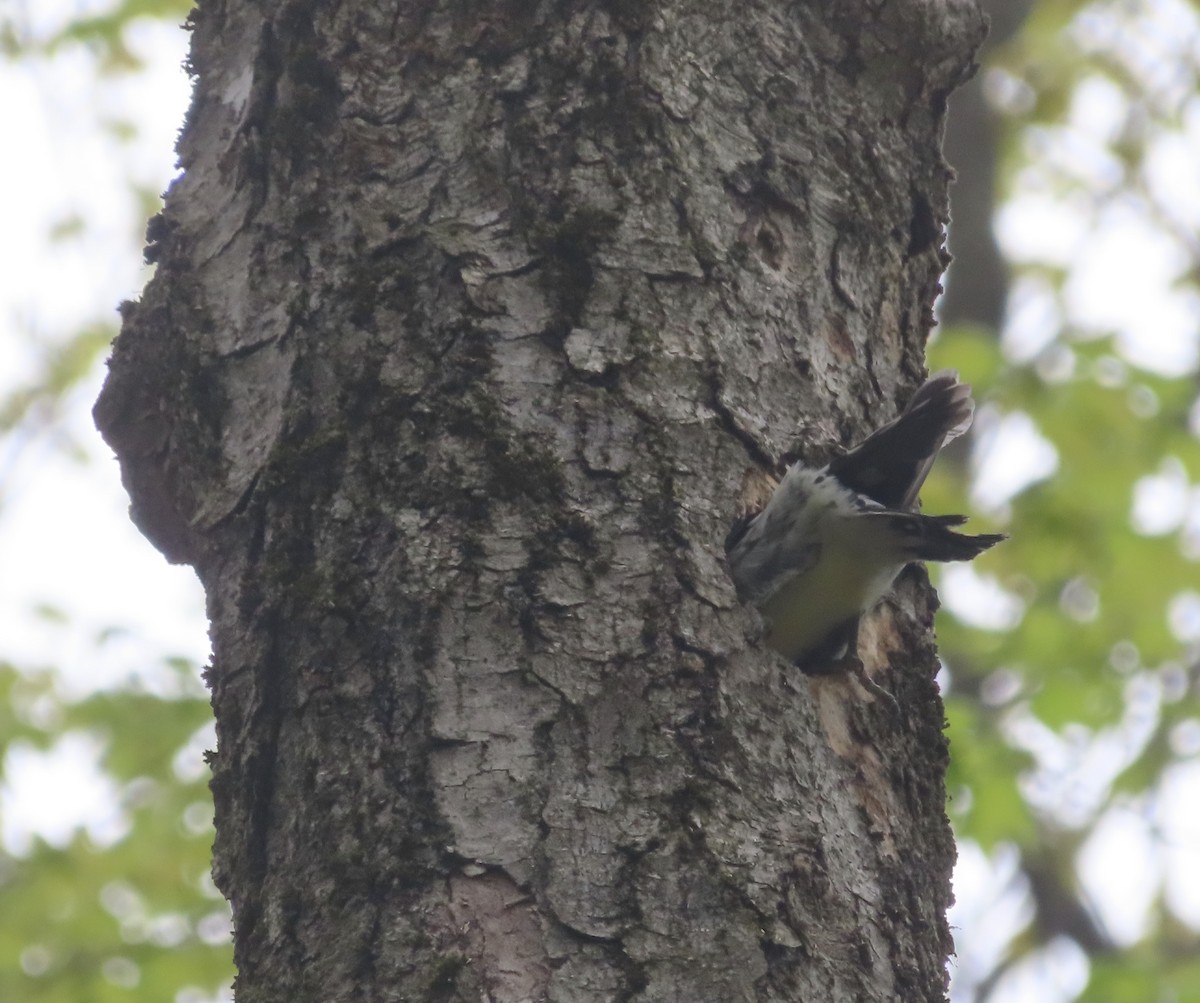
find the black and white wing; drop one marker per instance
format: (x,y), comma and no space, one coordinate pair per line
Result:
(891,464)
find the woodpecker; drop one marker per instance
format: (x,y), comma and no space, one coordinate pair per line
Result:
(817,549)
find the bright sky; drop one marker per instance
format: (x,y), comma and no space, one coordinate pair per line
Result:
(67,542)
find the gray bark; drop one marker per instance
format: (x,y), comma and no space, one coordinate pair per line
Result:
(466,322)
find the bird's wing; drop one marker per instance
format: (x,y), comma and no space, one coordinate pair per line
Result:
(765,549)
(891,464)
(766,568)
(757,488)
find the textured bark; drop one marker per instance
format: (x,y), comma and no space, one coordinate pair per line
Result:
(467,320)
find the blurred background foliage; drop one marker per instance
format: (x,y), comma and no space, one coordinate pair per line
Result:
(1072,658)
(1071,653)
(125,908)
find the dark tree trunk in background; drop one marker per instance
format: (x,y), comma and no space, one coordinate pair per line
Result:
(977,283)
(467,320)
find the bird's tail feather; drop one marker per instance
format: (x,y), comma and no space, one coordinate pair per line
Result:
(931,538)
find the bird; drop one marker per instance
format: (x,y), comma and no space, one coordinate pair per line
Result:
(818,548)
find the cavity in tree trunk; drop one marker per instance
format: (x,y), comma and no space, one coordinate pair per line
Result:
(467,320)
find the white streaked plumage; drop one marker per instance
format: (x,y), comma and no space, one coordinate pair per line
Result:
(829,543)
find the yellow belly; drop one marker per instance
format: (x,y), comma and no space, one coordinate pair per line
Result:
(807,609)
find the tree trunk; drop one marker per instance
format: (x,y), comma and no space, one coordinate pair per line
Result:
(977,284)
(467,320)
